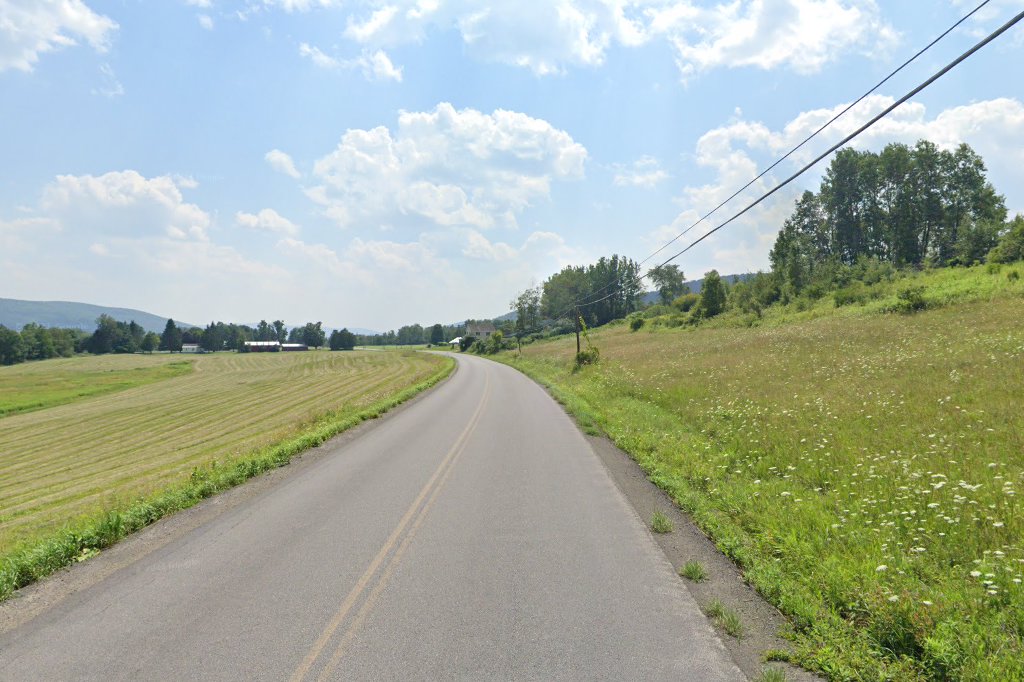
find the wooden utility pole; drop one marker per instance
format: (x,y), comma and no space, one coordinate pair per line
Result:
(576,320)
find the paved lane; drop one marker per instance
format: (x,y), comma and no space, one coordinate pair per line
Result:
(473,536)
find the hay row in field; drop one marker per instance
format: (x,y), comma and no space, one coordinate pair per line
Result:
(66,461)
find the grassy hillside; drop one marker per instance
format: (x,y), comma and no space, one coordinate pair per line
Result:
(76,460)
(861,467)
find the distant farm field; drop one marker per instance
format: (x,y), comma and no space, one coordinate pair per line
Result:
(66,461)
(864,471)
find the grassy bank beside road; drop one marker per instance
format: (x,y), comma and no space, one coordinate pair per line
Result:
(68,465)
(863,470)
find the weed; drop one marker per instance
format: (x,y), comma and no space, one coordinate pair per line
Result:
(661,523)
(695,571)
(1013,276)
(726,618)
(771,675)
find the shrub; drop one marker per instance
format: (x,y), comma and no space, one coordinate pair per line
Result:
(635,322)
(1013,275)
(686,302)
(853,293)
(587,356)
(1011,245)
(910,300)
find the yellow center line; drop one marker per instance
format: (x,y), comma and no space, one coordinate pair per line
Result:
(389,544)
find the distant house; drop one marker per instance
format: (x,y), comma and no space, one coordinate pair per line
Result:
(262,346)
(480,330)
(294,346)
(190,348)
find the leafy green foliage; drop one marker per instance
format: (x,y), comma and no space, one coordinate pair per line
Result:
(342,339)
(669,280)
(1010,248)
(713,295)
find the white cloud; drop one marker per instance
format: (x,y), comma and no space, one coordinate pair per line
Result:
(375,66)
(111,86)
(202,4)
(124,202)
(803,35)
(302,5)
(282,163)
(548,37)
(645,172)
(29,28)
(267,220)
(206,21)
(735,152)
(453,167)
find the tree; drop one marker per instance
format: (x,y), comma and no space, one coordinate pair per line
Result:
(437,334)
(12,350)
(712,295)
(150,342)
(670,282)
(527,307)
(171,338)
(1011,245)
(280,331)
(342,339)
(313,335)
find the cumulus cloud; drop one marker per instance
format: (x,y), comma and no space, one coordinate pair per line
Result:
(451,167)
(125,202)
(548,37)
(29,28)
(206,21)
(267,220)
(282,163)
(645,172)
(735,152)
(375,66)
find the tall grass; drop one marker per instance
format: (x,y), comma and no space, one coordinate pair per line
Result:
(862,469)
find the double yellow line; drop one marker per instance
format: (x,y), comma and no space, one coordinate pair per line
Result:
(401,536)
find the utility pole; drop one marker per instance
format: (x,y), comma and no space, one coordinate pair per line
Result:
(576,320)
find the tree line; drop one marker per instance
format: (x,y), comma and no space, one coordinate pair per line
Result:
(907,206)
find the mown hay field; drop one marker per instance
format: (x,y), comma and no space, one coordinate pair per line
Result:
(863,471)
(99,452)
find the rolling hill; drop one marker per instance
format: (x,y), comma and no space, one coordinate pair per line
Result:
(15,314)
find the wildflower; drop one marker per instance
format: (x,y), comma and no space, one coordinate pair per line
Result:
(997,524)
(894,598)
(975,574)
(881,568)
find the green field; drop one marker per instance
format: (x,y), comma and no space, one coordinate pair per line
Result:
(37,385)
(73,461)
(862,468)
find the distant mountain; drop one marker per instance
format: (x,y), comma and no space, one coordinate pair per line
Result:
(695,285)
(15,314)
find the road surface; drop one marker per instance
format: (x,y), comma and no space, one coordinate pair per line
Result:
(472,536)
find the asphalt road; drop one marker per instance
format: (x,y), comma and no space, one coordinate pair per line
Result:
(472,536)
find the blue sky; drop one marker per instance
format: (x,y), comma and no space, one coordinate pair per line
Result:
(373,163)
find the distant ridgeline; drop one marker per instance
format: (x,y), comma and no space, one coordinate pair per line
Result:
(15,314)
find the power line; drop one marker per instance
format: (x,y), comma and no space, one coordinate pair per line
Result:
(780,160)
(953,64)
(818,131)
(982,43)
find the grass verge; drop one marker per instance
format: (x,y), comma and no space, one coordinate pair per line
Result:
(862,470)
(36,560)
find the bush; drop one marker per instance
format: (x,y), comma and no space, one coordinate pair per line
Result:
(1011,245)
(587,356)
(910,300)
(853,293)
(1013,275)
(635,322)
(686,302)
